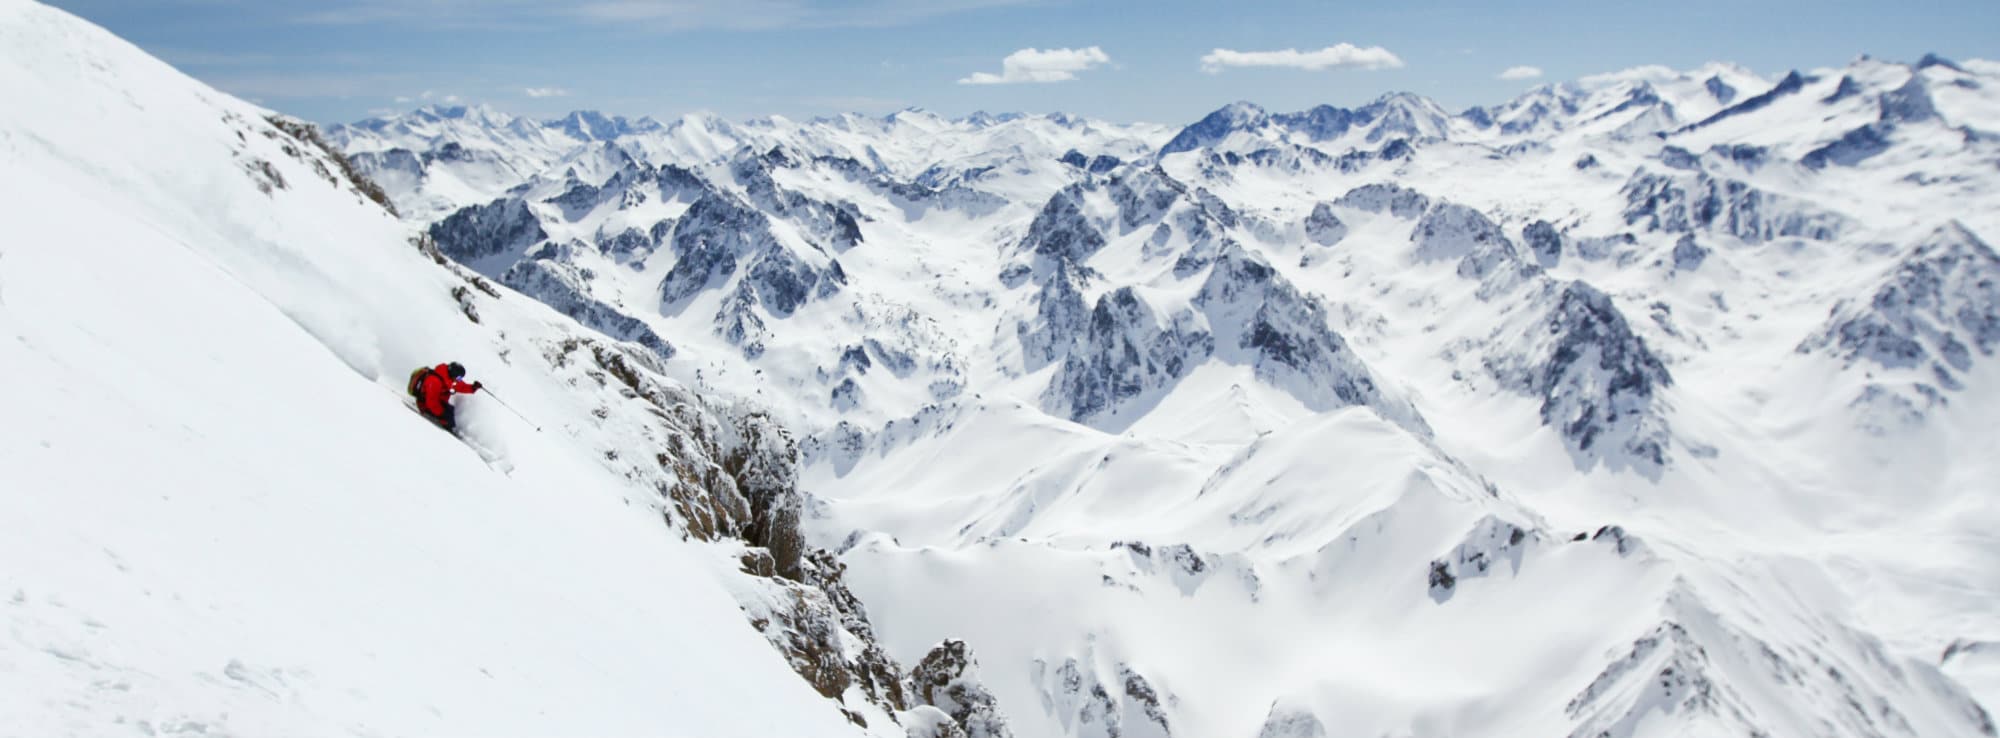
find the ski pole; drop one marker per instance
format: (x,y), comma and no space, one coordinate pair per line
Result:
(510,408)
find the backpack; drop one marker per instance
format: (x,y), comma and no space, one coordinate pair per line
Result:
(416,387)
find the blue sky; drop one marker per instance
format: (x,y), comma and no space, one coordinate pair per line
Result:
(1126,60)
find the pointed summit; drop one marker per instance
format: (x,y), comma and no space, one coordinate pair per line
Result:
(1216,126)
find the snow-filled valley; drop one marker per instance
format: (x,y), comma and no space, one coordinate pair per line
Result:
(1654,403)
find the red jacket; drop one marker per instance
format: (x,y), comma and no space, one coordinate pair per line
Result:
(437,386)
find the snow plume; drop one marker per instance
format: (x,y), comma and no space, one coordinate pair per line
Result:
(545,92)
(1521,72)
(1337,56)
(1040,65)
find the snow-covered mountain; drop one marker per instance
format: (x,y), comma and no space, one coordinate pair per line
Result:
(1655,403)
(219,520)
(1651,403)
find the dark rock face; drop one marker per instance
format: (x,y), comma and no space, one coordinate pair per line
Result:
(628,245)
(764,462)
(1260,318)
(1544,241)
(947,678)
(1790,85)
(1060,317)
(1098,703)
(1100,164)
(558,286)
(1490,542)
(1452,231)
(1689,255)
(712,238)
(504,226)
(709,238)
(837,225)
(1743,155)
(1216,126)
(1721,90)
(578,200)
(1851,149)
(736,321)
(1323,227)
(1675,157)
(1846,89)
(1393,199)
(1322,122)
(1130,348)
(1910,103)
(1061,232)
(1678,204)
(783,281)
(1144,196)
(1598,380)
(1937,308)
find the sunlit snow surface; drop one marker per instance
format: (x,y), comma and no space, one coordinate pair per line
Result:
(1634,410)
(1171,450)
(216,516)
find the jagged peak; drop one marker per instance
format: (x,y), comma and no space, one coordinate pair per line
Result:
(1932,59)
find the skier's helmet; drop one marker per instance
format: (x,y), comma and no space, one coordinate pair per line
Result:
(456,370)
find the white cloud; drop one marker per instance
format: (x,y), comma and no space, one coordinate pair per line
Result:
(1522,72)
(1040,65)
(403,100)
(1341,55)
(426,95)
(451,99)
(546,92)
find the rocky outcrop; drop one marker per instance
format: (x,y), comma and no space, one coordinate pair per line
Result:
(1088,702)
(1061,231)
(947,678)
(835,225)
(1491,541)
(1449,231)
(1544,242)
(1286,337)
(1129,348)
(503,227)
(717,234)
(1688,255)
(559,286)
(1393,199)
(1060,318)
(1682,203)
(1935,310)
(1323,227)
(1598,382)
(1144,195)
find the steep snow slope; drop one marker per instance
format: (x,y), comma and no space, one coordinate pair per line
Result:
(219,520)
(1649,404)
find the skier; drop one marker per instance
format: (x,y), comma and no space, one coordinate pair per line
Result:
(433,387)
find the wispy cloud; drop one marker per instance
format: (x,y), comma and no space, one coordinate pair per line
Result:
(545,92)
(1521,72)
(1040,65)
(1337,56)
